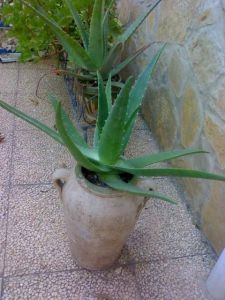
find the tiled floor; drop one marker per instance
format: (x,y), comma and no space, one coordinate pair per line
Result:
(165,257)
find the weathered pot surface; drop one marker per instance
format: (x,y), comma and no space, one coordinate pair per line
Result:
(98,219)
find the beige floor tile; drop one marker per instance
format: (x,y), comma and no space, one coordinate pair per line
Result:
(141,142)
(6,118)
(36,156)
(81,285)
(8,80)
(48,63)
(37,239)
(180,279)
(165,230)
(5,158)
(9,66)
(3,221)
(41,83)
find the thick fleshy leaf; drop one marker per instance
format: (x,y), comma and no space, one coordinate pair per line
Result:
(112,133)
(80,25)
(118,68)
(110,60)
(154,172)
(105,27)
(72,147)
(74,133)
(146,160)
(49,131)
(138,21)
(96,35)
(108,91)
(141,84)
(102,108)
(128,130)
(77,54)
(137,94)
(115,182)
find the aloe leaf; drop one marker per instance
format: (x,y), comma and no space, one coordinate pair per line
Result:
(117,84)
(96,43)
(108,11)
(105,27)
(102,109)
(128,130)
(96,137)
(110,60)
(133,27)
(127,61)
(146,160)
(108,91)
(77,54)
(71,129)
(72,147)
(49,131)
(171,172)
(74,133)
(105,31)
(113,131)
(80,25)
(115,182)
(141,84)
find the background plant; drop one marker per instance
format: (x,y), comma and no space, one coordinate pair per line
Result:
(95,50)
(35,38)
(113,129)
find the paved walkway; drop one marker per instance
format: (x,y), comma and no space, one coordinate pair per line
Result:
(166,257)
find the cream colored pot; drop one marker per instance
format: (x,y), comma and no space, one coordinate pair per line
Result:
(98,219)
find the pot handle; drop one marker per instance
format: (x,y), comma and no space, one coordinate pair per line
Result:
(60,177)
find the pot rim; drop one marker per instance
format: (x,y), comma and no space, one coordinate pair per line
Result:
(98,190)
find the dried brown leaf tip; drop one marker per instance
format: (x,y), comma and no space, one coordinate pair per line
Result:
(2,137)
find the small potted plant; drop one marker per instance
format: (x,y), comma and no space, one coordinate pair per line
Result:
(102,196)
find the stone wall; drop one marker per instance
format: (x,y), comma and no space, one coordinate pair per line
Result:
(185,104)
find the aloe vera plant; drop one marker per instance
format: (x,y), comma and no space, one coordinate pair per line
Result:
(112,133)
(96,52)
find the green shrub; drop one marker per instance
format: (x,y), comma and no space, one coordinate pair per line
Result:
(35,38)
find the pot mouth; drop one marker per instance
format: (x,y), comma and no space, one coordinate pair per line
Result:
(100,188)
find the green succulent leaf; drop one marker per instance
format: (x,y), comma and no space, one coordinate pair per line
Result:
(118,68)
(49,131)
(174,172)
(113,131)
(96,35)
(77,54)
(111,59)
(80,25)
(141,84)
(115,182)
(103,109)
(74,133)
(108,91)
(72,146)
(149,159)
(133,27)
(128,130)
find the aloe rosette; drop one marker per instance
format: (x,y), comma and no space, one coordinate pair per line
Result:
(95,52)
(113,129)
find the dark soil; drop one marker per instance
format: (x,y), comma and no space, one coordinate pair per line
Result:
(94,178)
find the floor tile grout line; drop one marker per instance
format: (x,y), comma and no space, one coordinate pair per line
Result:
(162,259)
(9,181)
(45,273)
(79,269)
(41,184)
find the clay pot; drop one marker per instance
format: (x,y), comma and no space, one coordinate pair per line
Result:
(98,219)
